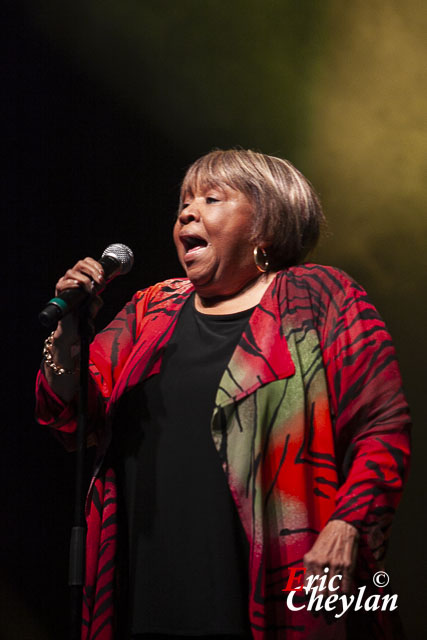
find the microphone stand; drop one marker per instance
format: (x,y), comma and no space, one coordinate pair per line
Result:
(78,531)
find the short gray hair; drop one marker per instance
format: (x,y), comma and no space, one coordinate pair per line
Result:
(288,216)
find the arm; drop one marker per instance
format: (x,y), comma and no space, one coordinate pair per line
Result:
(65,348)
(56,401)
(371,430)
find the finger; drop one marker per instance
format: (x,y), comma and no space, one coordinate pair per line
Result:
(83,274)
(310,570)
(90,267)
(335,580)
(347,580)
(66,282)
(313,574)
(77,278)
(349,564)
(72,280)
(309,580)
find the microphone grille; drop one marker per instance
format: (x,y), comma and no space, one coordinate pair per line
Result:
(122,254)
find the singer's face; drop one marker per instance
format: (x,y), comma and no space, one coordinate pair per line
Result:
(212,238)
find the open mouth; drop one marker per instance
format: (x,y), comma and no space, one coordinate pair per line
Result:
(193,243)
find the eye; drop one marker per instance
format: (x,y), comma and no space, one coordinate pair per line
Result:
(185,205)
(211,199)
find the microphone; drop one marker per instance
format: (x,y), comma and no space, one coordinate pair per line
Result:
(117,260)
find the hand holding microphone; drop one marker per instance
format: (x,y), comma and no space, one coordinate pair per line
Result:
(87,278)
(79,285)
(83,282)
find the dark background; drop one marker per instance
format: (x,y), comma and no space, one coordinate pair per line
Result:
(104,105)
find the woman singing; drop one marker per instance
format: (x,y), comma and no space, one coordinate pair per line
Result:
(249,420)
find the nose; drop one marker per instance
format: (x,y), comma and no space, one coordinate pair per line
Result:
(190,213)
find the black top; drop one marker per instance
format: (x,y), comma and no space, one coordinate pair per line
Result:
(187,548)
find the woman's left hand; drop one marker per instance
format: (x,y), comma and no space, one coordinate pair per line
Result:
(335,548)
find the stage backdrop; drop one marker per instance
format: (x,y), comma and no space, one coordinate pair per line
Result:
(105,105)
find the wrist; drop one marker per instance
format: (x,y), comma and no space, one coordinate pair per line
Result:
(342,525)
(60,360)
(65,337)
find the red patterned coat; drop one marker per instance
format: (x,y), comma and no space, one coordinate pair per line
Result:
(310,423)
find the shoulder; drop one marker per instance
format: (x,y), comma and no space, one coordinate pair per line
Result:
(323,295)
(161,298)
(321,280)
(319,285)
(170,289)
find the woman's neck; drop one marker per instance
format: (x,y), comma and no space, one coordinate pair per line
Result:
(249,296)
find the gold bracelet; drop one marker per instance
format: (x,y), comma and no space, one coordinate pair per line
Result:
(48,358)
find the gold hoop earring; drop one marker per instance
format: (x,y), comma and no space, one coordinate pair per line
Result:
(261,261)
